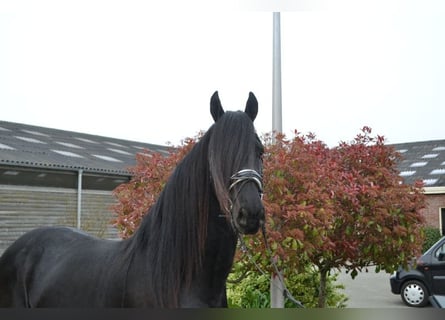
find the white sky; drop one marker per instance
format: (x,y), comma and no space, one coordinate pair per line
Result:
(145,72)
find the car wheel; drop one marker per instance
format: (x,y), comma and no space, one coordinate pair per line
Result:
(414,294)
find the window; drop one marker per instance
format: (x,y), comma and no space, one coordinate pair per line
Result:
(439,250)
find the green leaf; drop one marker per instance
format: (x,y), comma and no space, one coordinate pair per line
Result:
(294,244)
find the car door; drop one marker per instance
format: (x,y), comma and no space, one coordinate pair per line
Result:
(437,269)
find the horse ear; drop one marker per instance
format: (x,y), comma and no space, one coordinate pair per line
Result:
(251,106)
(216,108)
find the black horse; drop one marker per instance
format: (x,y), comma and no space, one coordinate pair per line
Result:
(183,250)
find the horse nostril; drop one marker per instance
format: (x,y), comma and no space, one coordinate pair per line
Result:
(244,214)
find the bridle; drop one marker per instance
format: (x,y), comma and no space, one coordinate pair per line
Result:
(241,178)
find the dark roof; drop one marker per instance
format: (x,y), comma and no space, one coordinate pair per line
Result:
(38,147)
(424,160)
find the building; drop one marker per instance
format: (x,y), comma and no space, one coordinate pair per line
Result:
(56,177)
(425,161)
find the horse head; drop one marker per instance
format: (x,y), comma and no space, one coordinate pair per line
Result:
(235,156)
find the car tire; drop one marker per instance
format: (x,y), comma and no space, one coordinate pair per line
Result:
(414,293)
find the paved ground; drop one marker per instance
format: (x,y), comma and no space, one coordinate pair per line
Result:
(370,290)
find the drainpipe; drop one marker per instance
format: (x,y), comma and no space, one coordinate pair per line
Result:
(79,198)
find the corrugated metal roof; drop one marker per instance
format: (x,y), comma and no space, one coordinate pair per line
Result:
(424,160)
(39,147)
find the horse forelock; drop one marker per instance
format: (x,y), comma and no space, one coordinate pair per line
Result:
(231,148)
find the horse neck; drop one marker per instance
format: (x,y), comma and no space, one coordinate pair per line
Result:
(208,287)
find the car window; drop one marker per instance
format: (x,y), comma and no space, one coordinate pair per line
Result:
(439,250)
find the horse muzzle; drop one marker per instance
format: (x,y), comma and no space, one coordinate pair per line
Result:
(247,210)
(249,221)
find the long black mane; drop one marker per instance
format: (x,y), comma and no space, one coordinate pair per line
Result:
(183,207)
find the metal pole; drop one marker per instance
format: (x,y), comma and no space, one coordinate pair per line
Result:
(79,199)
(276,76)
(276,287)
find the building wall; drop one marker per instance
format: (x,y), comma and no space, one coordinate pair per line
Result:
(434,202)
(23,208)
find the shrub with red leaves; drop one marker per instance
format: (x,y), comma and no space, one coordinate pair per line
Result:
(343,207)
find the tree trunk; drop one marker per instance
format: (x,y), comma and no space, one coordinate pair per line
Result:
(322,294)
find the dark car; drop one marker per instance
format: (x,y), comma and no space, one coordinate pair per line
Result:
(426,279)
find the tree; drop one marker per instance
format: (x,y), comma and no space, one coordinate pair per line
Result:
(329,207)
(341,207)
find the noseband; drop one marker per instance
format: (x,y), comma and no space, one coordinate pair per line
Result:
(244,176)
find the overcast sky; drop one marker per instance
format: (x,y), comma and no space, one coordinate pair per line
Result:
(145,72)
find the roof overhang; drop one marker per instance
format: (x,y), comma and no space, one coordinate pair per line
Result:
(434,190)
